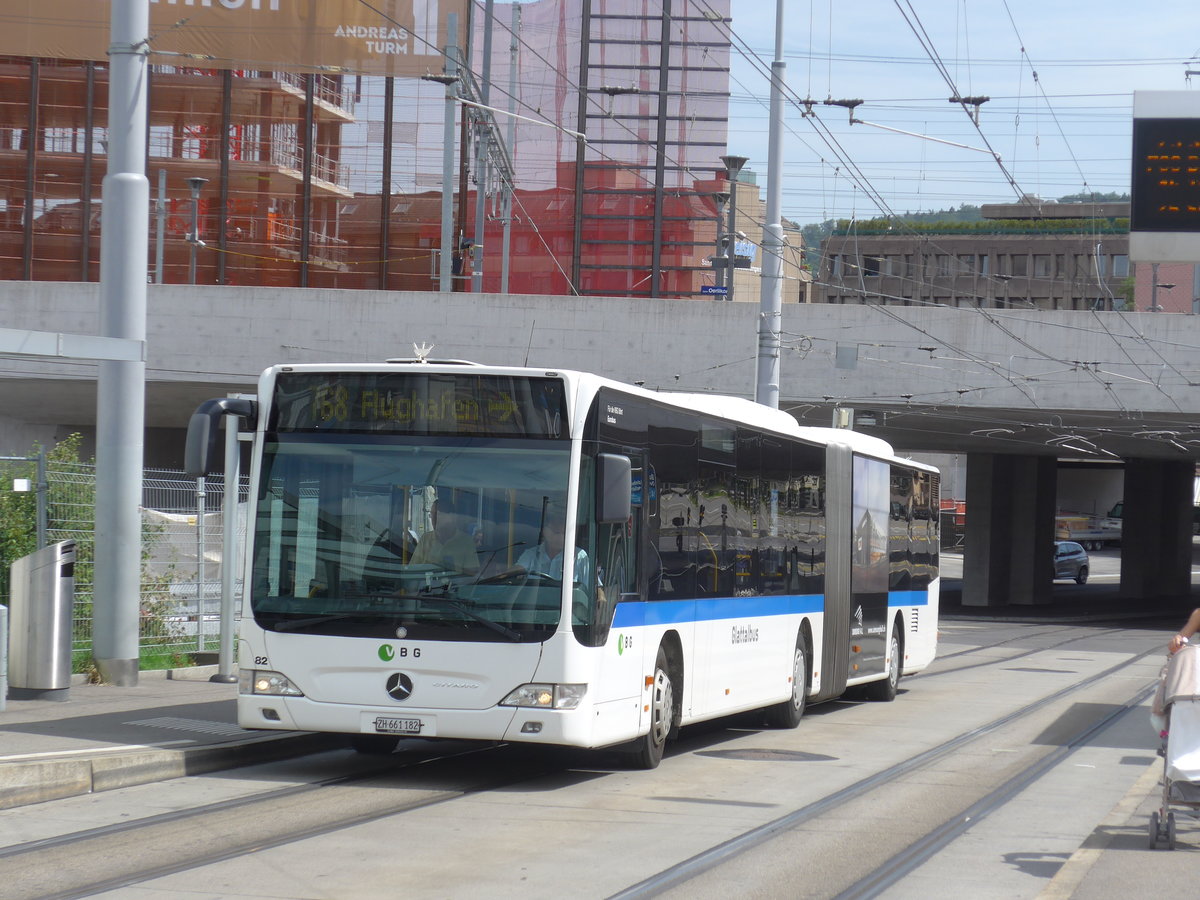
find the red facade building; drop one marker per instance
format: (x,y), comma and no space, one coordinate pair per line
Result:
(314,179)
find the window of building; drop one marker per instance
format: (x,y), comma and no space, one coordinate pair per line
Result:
(966,263)
(1043,265)
(870,265)
(985,264)
(1120,265)
(1018,264)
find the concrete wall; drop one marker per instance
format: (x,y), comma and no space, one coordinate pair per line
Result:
(223,335)
(935,376)
(1091,490)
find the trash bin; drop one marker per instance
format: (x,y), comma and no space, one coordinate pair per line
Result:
(41,608)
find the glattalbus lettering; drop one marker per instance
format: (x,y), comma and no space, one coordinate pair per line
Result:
(744,634)
(271,5)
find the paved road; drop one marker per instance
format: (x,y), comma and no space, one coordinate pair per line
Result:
(836,800)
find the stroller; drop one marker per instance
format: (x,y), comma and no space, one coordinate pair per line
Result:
(1176,716)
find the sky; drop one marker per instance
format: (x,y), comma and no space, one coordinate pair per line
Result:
(1060,77)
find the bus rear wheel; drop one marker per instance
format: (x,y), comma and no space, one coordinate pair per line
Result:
(649,750)
(885,690)
(788,713)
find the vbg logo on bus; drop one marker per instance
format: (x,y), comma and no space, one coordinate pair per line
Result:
(387,652)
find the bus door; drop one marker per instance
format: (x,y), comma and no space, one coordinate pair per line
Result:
(834,647)
(869,566)
(607,612)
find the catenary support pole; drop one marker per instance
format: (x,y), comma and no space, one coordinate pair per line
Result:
(226,673)
(445,272)
(507,207)
(483,139)
(771,296)
(120,415)
(160,225)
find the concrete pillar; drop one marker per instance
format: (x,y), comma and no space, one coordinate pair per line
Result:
(1010,530)
(1156,529)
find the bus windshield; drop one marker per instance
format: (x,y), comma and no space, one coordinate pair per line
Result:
(431,538)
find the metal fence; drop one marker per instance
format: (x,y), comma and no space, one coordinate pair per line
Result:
(182,551)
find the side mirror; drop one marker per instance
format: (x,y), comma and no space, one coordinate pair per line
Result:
(614,488)
(202,430)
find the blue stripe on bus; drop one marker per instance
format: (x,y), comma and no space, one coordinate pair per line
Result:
(708,609)
(908,598)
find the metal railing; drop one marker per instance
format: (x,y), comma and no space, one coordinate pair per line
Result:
(182,552)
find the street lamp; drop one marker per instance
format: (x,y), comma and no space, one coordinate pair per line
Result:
(1155,285)
(720,198)
(1004,279)
(733,165)
(194,235)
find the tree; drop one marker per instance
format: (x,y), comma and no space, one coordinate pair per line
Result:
(70,505)
(1093,197)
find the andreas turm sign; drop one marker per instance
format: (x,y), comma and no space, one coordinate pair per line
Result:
(380,37)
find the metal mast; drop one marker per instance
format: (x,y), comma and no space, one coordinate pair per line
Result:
(771,299)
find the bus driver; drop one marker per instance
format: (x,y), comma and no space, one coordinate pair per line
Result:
(547,557)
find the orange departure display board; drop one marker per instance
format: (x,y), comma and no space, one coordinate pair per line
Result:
(1165,180)
(1164,216)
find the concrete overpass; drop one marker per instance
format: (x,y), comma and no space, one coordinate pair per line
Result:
(1012,390)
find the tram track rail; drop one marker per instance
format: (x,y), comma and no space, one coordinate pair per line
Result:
(1076,637)
(409,785)
(917,851)
(895,868)
(74,857)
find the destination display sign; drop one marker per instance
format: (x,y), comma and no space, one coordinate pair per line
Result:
(1164,215)
(459,404)
(1166,175)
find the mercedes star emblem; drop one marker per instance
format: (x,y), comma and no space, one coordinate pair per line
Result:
(400,686)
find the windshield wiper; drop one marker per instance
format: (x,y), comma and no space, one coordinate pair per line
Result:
(458,606)
(295,624)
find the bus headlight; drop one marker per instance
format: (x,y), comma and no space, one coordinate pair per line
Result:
(547,696)
(261,681)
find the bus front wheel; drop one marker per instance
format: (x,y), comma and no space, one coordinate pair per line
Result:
(649,750)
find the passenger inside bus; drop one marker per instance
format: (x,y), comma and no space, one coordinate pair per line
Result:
(448,544)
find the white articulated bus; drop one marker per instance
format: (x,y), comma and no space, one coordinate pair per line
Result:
(448,550)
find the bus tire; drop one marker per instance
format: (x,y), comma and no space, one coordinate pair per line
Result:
(885,691)
(789,713)
(648,752)
(374,744)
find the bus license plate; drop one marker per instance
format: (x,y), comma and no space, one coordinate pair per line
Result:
(390,725)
